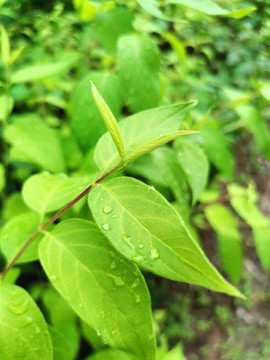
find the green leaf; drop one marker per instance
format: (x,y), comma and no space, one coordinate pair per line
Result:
(110,121)
(91,336)
(86,120)
(217,150)
(138,65)
(40,143)
(175,354)
(5,46)
(110,25)
(210,8)
(45,192)
(2,177)
(229,239)
(176,45)
(24,332)
(11,276)
(255,123)
(61,346)
(6,106)
(194,164)
(111,354)
(156,123)
(265,90)
(258,222)
(152,8)
(16,232)
(85,262)
(145,228)
(86,10)
(39,72)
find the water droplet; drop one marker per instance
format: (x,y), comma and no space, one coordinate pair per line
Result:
(114,216)
(180,154)
(154,254)
(113,332)
(37,330)
(103,314)
(62,176)
(141,246)
(106,227)
(22,349)
(53,278)
(127,240)
(107,209)
(137,299)
(135,283)
(19,309)
(25,321)
(118,281)
(151,188)
(105,341)
(138,258)
(68,299)
(98,332)
(101,199)
(113,265)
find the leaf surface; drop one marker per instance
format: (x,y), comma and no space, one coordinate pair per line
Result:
(111,354)
(145,228)
(23,330)
(106,291)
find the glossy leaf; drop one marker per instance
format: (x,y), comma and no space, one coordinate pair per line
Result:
(229,239)
(217,149)
(111,354)
(30,136)
(85,262)
(110,121)
(45,192)
(211,8)
(16,232)
(86,120)
(156,123)
(39,72)
(111,24)
(24,332)
(145,228)
(140,86)
(194,163)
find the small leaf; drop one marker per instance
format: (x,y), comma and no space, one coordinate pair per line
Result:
(111,354)
(24,332)
(229,239)
(39,72)
(30,136)
(138,64)
(152,8)
(85,261)
(16,232)
(194,164)
(157,123)
(145,228)
(176,45)
(6,106)
(109,120)
(61,346)
(44,192)
(5,46)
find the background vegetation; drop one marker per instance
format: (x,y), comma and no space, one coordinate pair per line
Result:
(218,179)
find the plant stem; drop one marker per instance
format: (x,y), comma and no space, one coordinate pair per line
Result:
(52,219)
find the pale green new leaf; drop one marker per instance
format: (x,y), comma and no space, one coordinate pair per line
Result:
(35,139)
(195,165)
(16,232)
(211,8)
(45,192)
(111,354)
(23,330)
(145,228)
(5,46)
(138,65)
(110,121)
(106,291)
(155,123)
(229,239)
(39,72)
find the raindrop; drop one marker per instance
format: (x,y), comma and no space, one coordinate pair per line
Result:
(135,283)
(114,216)
(101,199)
(141,246)
(113,265)
(53,278)
(68,299)
(151,188)
(118,281)
(154,254)
(25,321)
(137,299)
(106,227)
(127,240)
(19,309)
(21,352)
(138,258)
(107,209)
(98,332)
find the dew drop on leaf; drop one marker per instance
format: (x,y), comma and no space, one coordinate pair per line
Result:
(118,281)
(113,265)
(141,246)
(114,216)
(25,321)
(154,254)
(53,278)
(137,299)
(127,240)
(106,227)
(37,330)
(107,209)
